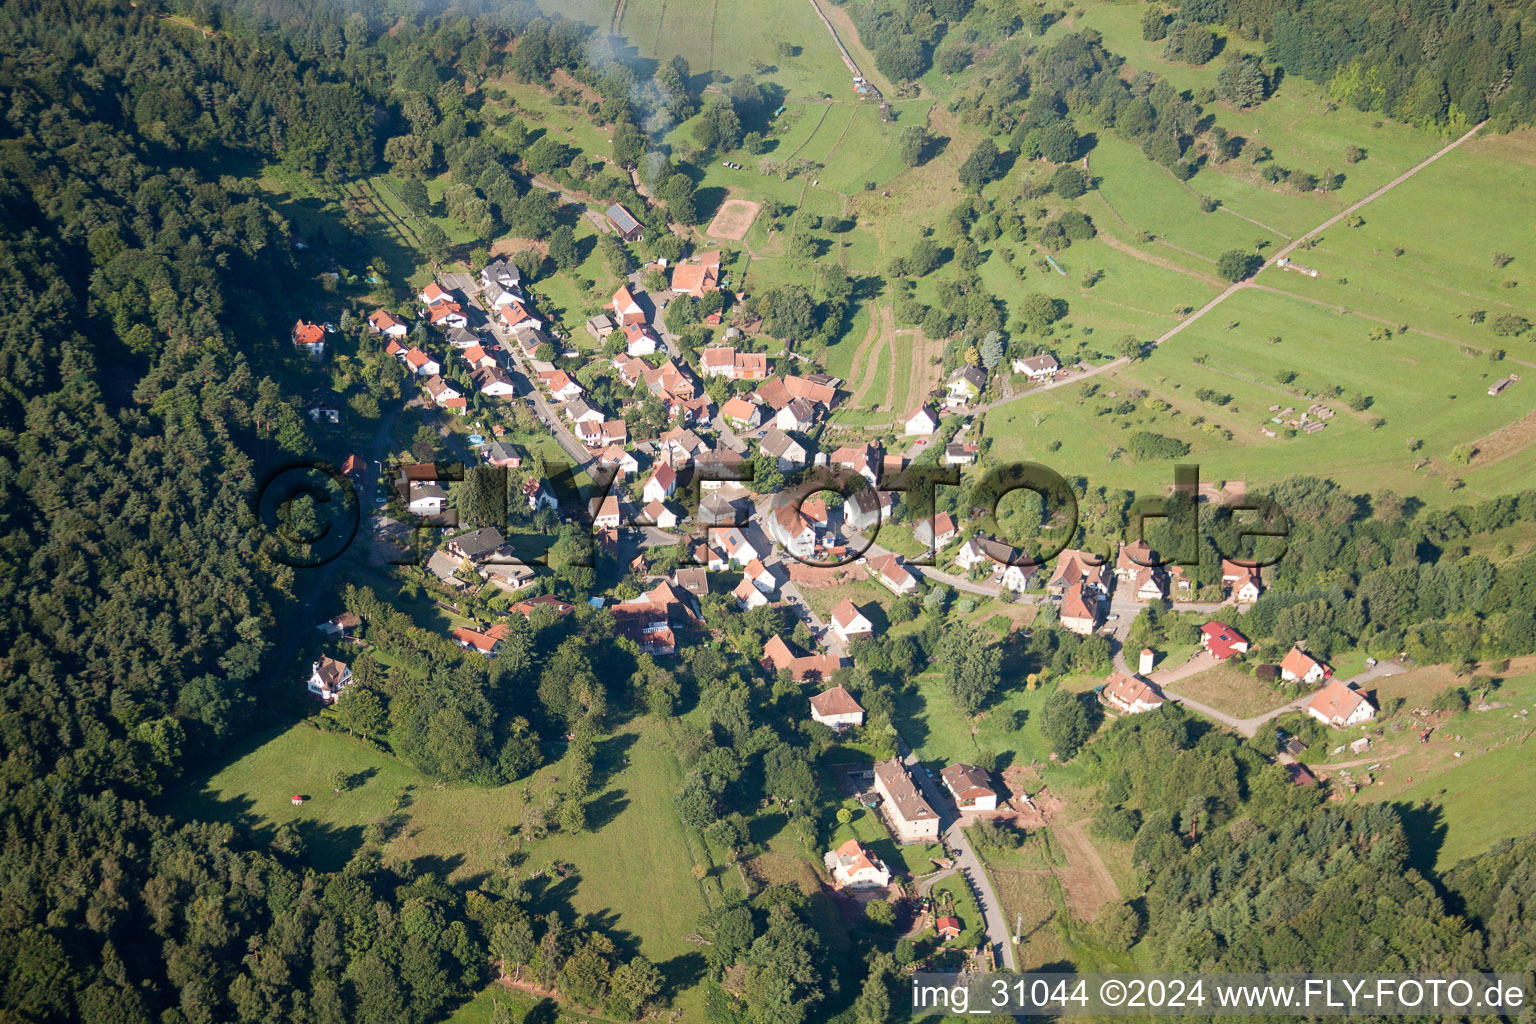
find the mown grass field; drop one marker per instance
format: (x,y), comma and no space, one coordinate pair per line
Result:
(1459,806)
(635,868)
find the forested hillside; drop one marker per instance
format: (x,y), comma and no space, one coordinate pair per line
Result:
(138,296)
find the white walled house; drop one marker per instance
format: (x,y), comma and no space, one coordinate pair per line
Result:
(836,709)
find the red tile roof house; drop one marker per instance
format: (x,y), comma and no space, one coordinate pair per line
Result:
(1244,583)
(1079,610)
(309,337)
(1222,640)
(890,571)
(836,709)
(382,321)
(850,624)
(948,927)
(1300,667)
(1130,695)
(970,787)
(434,293)
(1339,706)
(625,309)
(853,867)
(662,484)
(474,640)
(778,656)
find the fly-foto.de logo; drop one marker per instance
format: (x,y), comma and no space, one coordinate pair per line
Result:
(310,512)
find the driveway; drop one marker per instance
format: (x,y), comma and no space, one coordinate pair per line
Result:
(966,861)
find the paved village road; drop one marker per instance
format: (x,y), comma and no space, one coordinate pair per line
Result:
(966,861)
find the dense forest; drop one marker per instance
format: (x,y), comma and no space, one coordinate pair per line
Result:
(146,303)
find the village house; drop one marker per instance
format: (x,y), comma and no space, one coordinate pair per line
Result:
(960,453)
(1300,667)
(509,577)
(741,414)
(1339,706)
(623,223)
(1147,585)
(692,581)
(600,326)
(605,512)
(783,449)
(747,596)
(640,340)
(922,421)
(560,386)
(798,414)
(579,411)
(970,786)
(850,624)
(1040,369)
(328,677)
(1079,610)
(502,274)
(778,657)
(818,389)
(426,498)
(720,467)
(309,338)
(526,608)
(750,366)
(679,446)
(446,315)
(722,509)
(517,317)
(341,625)
(658,514)
(477,357)
(947,927)
(759,576)
(910,816)
(382,321)
(1075,567)
(668,381)
(627,311)
(484,643)
(419,363)
(617,458)
(445,569)
(864,510)
(1243,582)
(435,294)
(1133,558)
(863,459)
(477,545)
(791,527)
(494,382)
(965,385)
(1130,695)
(504,453)
(697,276)
(662,484)
(853,867)
(463,337)
(738,548)
(893,574)
(440,390)
(539,495)
(773,394)
(935,532)
(1222,640)
(836,709)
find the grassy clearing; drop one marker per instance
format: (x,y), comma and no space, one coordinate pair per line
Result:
(463,830)
(1229,690)
(1458,806)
